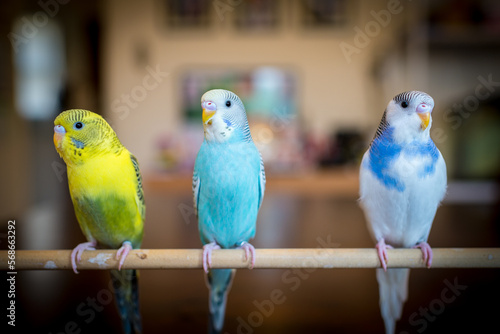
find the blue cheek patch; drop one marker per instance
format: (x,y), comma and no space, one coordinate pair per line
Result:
(228,123)
(78,144)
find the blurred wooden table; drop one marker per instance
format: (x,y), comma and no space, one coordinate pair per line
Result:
(342,182)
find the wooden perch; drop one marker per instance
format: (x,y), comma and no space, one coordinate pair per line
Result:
(326,258)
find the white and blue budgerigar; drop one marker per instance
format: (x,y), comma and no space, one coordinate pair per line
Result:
(228,188)
(402,182)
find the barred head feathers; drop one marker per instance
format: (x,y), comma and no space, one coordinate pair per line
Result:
(413,95)
(81,133)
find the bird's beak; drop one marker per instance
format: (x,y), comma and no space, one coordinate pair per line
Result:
(424,112)
(59,133)
(209,109)
(425,118)
(207,115)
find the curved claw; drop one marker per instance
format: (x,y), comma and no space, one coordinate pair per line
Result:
(207,255)
(382,247)
(76,254)
(123,252)
(249,252)
(426,252)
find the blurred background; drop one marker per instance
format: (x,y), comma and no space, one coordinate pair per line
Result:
(315,76)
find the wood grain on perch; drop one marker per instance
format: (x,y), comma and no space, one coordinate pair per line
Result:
(278,258)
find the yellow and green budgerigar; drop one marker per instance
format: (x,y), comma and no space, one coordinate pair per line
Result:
(106,189)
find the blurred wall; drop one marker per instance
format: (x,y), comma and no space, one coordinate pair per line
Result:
(346,74)
(334,92)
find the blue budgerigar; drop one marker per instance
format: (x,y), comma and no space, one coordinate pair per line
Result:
(228,188)
(402,182)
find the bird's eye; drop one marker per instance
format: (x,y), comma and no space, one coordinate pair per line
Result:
(228,103)
(404,104)
(78,125)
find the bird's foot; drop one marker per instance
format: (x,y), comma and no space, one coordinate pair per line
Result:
(123,252)
(426,252)
(76,254)
(249,252)
(207,255)
(382,247)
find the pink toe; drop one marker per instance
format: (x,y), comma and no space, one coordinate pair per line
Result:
(76,254)
(429,256)
(252,264)
(426,253)
(122,253)
(73,261)
(382,253)
(252,252)
(249,253)
(207,255)
(209,258)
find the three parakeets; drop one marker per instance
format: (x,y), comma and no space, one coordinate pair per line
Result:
(106,189)
(402,182)
(228,188)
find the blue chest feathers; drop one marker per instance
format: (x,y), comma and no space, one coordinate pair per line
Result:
(384,154)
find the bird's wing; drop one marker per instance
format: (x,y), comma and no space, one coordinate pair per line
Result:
(262,181)
(196,191)
(141,204)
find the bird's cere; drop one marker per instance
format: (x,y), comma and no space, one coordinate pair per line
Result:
(424,107)
(209,105)
(59,129)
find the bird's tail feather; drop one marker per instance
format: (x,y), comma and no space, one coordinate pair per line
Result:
(393,291)
(125,283)
(219,282)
